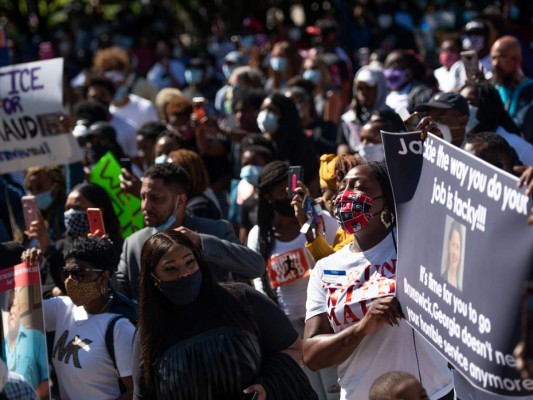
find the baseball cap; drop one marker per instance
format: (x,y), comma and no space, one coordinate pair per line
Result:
(445,101)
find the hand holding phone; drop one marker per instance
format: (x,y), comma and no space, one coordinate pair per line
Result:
(471,63)
(96,221)
(295,175)
(126,164)
(30,210)
(410,121)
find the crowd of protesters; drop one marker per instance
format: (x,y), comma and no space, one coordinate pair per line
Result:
(225,293)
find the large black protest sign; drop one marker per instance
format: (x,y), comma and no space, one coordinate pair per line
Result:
(464,253)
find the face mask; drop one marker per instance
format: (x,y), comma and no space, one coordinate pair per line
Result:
(82,293)
(44,200)
(372,152)
(247,41)
(169,222)
(267,122)
(278,64)
(76,223)
(312,75)
(447,59)
(352,210)
(385,21)
(193,76)
(181,291)
(472,119)
(163,158)
(446,133)
(250,173)
(396,78)
(473,42)
(283,207)
(120,93)
(227,70)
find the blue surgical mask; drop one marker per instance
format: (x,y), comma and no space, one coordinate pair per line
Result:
(312,75)
(163,158)
(247,41)
(183,291)
(44,200)
(171,220)
(250,173)
(193,76)
(278,64)
(267,122)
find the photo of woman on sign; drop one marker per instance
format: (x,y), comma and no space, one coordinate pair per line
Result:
(453,253)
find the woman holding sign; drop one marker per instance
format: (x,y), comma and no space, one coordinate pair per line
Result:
(353,320)
(279,240)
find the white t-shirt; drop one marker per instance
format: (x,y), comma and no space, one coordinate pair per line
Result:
(343,286)
(398,99)
(288,268)
(80,357)
(126,135)
(136,111)
(447,79)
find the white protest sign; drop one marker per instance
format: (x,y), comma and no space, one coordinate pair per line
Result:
(31,103)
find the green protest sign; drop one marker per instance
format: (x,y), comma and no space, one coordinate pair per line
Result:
(127,207)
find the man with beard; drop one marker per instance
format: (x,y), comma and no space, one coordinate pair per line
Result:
(516,90)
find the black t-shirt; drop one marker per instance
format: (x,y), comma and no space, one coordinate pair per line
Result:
(274,330)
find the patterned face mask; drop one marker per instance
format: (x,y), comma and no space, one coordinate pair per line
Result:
(352,210)
(82,293)
(76,223)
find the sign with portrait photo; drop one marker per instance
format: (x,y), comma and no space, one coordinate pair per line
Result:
(464,253)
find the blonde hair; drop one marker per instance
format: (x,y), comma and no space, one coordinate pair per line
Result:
(111,59)
(55,172)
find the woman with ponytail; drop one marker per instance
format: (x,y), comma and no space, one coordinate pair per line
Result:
(278,238)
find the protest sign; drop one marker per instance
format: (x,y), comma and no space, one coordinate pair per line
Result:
(127,207)
(464,253)
(31,104)
(24,343)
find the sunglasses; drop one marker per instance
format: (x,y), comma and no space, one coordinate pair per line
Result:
(78,274)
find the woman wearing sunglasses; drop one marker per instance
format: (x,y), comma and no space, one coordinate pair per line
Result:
(90,324)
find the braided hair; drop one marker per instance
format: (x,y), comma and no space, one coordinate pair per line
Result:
(273,173)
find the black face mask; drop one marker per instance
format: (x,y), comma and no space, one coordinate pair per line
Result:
(283,207)
(181,291)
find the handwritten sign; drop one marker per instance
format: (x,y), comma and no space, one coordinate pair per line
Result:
(127,207)
(31,104)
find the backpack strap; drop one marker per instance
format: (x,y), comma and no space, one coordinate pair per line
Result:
(110,345)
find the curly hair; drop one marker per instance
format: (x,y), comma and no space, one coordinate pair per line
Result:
(111,59)
(178,105)
(55,172)
(96,251)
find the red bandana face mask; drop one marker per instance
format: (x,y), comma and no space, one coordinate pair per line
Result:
(352,210)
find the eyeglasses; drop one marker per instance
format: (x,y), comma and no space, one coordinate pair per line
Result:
(78,274)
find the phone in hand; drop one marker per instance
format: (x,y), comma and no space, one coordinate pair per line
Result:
(296,173)
(198,104)
(471,63)
(30,210)
(527,323)
(96,221)
(410,121)
(126,164)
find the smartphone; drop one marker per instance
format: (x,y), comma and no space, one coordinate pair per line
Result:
(96,221)
(410,121)
(198,104)
(30,210)
(126,164)
(471,63)
(527,322)
(296,173)
(251,396)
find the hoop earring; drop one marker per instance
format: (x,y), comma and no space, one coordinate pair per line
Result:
(387,218)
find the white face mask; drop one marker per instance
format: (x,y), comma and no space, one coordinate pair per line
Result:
(267,122)
(472,119)
(372,152)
